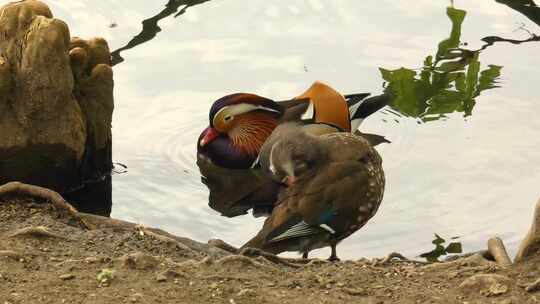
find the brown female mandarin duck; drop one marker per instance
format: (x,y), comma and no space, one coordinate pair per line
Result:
(335,185)
(240,124)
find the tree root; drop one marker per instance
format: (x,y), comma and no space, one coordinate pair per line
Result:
(391,258)
(224,246)
(533,287)
(10,254)
(37,231)
(254,252)
(498,251)
(163,238)
(101,222)
(40,192)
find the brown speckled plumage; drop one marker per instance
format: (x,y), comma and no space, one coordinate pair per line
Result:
(340,190)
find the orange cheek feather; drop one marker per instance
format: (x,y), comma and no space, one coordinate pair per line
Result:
(251,130)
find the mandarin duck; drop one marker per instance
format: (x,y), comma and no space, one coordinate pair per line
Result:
(335,184)
(240,123)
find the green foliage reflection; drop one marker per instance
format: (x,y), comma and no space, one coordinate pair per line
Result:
(448,82)
(442,250)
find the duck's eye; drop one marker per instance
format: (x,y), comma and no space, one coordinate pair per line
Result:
(228,118)
(300,168)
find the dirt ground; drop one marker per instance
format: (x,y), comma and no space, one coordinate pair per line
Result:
(47,256)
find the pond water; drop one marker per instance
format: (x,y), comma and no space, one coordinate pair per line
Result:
(473,172)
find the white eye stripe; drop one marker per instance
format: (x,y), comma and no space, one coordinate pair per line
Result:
(242,108)
(272,167)
(268,109)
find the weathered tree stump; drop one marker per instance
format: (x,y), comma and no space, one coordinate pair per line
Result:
(531,243)
(56,104)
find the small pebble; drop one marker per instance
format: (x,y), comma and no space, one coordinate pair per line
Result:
(67,276)
(245,292)
(498,289)
(354,291)
(161,277)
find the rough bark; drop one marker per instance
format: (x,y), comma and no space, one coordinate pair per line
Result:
(56,105)
(531,244)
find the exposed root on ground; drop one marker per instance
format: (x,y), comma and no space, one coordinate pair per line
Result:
(254,252)
(17,188)
(394,257)
(37,231)
(163,238)
(222,245)
(498,252)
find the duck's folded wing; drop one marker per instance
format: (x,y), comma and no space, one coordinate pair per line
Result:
(335,196)
(313,209)
(293,230)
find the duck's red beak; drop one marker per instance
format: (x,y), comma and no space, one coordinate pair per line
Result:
(289,180)
(209,135)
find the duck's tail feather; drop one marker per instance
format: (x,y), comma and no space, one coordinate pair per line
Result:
(373,139)
(354,99)
(360,111)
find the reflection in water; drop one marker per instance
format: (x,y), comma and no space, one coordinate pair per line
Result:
(527,8)
(491,40)
(443,176)
(448,82)
(151,28)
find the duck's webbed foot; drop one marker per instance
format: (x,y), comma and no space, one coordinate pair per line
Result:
(333,257)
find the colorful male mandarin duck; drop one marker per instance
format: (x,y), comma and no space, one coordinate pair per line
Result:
(335,185)
(240,124)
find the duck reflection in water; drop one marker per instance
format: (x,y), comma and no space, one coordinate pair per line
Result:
(241,123)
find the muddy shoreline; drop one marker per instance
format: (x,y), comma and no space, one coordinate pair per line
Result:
(48,255)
